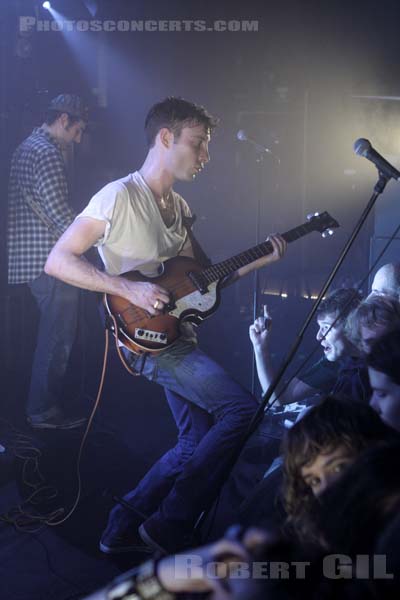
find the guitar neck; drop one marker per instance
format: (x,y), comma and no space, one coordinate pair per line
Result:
(226,267)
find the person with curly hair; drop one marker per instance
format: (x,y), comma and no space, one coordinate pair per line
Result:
(319,447)
(373,318)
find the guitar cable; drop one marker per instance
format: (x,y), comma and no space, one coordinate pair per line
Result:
(23,448)
(85,435)
(114,329)
(25,520)
(53,522)
(22,519)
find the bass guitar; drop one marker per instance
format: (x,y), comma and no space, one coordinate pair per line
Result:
(194,291)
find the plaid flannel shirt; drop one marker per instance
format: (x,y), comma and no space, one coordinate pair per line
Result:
(38,171)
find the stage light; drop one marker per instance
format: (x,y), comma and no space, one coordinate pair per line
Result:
(46,5)
(91,6)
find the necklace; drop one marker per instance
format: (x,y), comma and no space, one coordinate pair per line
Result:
(166,208)
(165,203)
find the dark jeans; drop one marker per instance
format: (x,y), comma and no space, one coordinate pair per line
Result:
(58,304)
(259,453)
(211,412)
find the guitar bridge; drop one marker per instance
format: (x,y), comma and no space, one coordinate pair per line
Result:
(199,281)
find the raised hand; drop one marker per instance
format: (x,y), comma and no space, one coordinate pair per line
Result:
(259,330)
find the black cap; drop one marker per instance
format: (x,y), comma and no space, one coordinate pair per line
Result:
(70,104)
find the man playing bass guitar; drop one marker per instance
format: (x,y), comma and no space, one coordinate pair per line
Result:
(137,223)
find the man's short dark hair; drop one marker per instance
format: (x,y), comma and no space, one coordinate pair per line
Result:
(51,117)
(175,114)
(71,104)
(339,304)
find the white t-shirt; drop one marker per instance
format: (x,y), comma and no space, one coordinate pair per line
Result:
(136,237)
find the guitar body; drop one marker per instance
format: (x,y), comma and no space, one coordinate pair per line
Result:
(139,331)
(194,292)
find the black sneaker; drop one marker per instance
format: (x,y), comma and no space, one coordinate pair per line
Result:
(166,538)
(150,541)
(57,421)
(118,539)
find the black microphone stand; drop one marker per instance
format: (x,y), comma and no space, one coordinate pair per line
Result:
(378,189)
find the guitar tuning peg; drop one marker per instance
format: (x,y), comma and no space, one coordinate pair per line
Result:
(312,215)
(327,233)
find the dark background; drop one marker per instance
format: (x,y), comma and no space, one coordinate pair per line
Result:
(295,85)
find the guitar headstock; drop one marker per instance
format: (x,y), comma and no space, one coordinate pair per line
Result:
(322,222)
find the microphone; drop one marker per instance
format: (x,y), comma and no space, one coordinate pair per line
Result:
(243,137)
(364,148)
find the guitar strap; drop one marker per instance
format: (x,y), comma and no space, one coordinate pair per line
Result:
(198,251)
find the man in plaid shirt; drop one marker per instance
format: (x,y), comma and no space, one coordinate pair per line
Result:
(38,214)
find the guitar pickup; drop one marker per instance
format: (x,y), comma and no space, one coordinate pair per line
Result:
(199,281)
(151,336)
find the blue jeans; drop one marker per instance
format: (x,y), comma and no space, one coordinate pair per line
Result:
(212,412)
(58,304)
